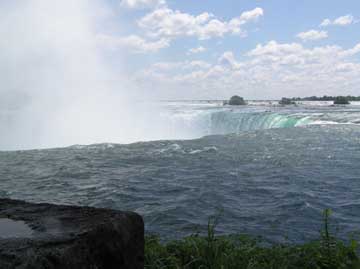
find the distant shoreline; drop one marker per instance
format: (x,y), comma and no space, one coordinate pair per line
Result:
(308,98)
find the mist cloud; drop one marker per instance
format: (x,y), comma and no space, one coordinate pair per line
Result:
(56,89)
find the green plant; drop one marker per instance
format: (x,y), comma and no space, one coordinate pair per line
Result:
(236,101)
(241,251)
(341,100)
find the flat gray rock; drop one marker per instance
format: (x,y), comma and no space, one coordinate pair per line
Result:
(53,236)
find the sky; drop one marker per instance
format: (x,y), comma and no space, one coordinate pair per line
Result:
(255,48)
(74,71)
(172,49)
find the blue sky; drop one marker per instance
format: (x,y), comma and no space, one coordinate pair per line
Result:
(155,39)
(192,49)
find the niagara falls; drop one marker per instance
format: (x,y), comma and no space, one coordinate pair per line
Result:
(174,134)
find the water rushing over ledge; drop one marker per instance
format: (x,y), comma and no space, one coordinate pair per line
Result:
(194,119)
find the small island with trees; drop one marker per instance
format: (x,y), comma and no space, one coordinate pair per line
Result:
(235,101)
(286,101)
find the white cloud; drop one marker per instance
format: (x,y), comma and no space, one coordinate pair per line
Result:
(228,58)
(197,50)
(326,22)
(165,22)
(274,48)
(141,4)
(269,70)
(340,21)
(134,43)
(244,18)
(182,65)
(199,64)
(251,15)
(351,52)
(344,20)
(312,35)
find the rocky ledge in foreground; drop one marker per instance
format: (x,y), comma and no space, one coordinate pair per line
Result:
(52,236)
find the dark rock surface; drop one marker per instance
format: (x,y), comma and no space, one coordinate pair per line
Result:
(52,236)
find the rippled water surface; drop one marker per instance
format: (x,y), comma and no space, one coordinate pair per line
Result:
(267,171)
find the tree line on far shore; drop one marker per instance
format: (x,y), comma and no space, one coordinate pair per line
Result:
(325,98)
(338,100)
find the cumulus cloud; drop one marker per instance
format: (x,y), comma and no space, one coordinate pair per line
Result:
(196,50)
(141,4)
(352,51)
(340,21)
(312,35)
(167,23)
(250,15)
(134,43)
(228,58)
(164,24)
(326,22)
(267,71)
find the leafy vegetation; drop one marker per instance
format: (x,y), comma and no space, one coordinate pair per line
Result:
(286,101)
(341,100)
(223,252)
(326,98)
(236,101)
